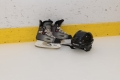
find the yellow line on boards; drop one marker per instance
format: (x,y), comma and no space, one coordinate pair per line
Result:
(28,34)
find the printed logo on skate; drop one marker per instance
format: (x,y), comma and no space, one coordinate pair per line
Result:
(62,36)
(48,39)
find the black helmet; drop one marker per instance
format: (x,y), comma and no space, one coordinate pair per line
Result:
(82,40)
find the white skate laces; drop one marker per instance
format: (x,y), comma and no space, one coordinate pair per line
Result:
(49,33)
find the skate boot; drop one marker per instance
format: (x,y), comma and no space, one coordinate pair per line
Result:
(44,36)
(60,34)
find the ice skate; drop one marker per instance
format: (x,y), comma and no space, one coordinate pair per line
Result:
(60,34)
(44,36)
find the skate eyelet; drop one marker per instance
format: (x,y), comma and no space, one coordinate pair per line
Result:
(43,33)
(56,30)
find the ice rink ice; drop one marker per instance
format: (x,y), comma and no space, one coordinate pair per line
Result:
(24,61)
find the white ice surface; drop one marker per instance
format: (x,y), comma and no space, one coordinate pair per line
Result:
(24,61)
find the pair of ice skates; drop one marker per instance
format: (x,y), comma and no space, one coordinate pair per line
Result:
(50,35)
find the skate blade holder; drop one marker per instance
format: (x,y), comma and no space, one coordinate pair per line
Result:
(82,40)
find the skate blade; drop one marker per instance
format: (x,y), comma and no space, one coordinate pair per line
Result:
(66,41)
(42,44)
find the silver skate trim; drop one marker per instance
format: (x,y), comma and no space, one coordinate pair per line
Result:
(66,41)
(43,44)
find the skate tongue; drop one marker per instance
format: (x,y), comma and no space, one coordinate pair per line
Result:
(48,27)
(59,22)
(47,24)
